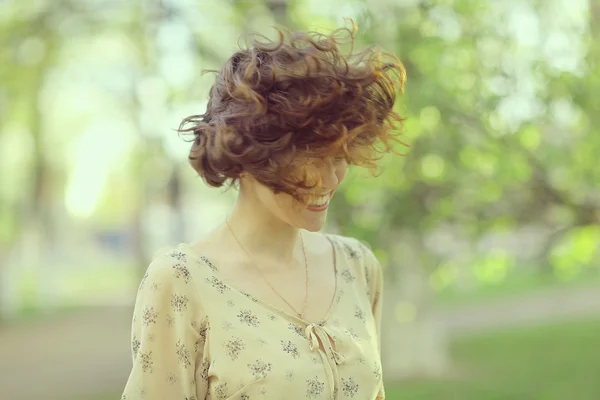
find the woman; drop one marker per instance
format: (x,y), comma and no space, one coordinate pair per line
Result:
(265,306)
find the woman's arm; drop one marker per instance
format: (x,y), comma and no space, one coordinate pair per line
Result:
(165,341)
(374,273)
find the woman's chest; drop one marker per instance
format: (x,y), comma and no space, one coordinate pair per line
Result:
(309,292)
(312,300)
(255,350)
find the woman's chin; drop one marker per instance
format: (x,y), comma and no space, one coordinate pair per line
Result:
(314,223)
(313,228)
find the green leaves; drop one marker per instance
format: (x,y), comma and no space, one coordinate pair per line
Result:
(579,249)
(499,137)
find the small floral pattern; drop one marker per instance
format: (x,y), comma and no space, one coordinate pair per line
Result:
(226,326)
(289,375)
(209,264)
(171,378)
(146,361)
(217,284)
(377,371)
(347,276)
(179,303)
(149,316)
(143,281)
(350,332)
(170,321)
(358,313)
(339,296)
(203,331)
(290,348)
(296,328)
(183,355)
(351,252)
(194,336)
(198,346)
(233,348)
(247,317)
(178,255)
(221,391)
(182,272)
(349,387)
(260,369)
(204,367)
(135,345)
(314,387)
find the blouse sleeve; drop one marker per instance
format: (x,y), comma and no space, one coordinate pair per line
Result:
(374,279)
(165,342)
(375,290)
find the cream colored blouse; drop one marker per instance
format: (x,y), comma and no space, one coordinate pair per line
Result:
(195,337)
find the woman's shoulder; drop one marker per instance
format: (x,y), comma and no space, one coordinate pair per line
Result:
(167,257)
(171,266)
(352,247)
(362,262)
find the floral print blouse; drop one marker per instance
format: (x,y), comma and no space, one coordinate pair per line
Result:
(195,337)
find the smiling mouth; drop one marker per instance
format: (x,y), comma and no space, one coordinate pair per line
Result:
(319,202)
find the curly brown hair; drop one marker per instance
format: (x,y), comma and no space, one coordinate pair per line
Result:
(275,104)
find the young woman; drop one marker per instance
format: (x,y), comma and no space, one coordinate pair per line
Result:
(266,306)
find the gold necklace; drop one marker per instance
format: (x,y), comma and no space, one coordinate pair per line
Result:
(298,314)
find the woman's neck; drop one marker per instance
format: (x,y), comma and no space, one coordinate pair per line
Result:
(263,235)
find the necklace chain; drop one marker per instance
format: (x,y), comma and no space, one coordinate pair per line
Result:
(299,314)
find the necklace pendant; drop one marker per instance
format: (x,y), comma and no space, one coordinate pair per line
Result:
(300,315)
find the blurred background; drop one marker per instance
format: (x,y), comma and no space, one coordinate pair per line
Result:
(488,229)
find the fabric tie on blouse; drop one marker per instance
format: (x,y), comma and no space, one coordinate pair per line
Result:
(314,332)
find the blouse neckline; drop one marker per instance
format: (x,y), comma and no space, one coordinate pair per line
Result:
(202,259)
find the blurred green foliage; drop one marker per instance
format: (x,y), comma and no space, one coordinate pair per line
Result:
(503,131)
(502,119)
(503,136)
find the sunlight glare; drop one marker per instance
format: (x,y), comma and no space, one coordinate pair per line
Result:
(97,151)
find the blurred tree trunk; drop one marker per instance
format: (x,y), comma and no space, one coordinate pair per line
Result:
(35,241)
(38,231)
(279,9)
(142,176)
(413,341)
(175,190)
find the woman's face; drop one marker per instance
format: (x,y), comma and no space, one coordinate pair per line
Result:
(312,216)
